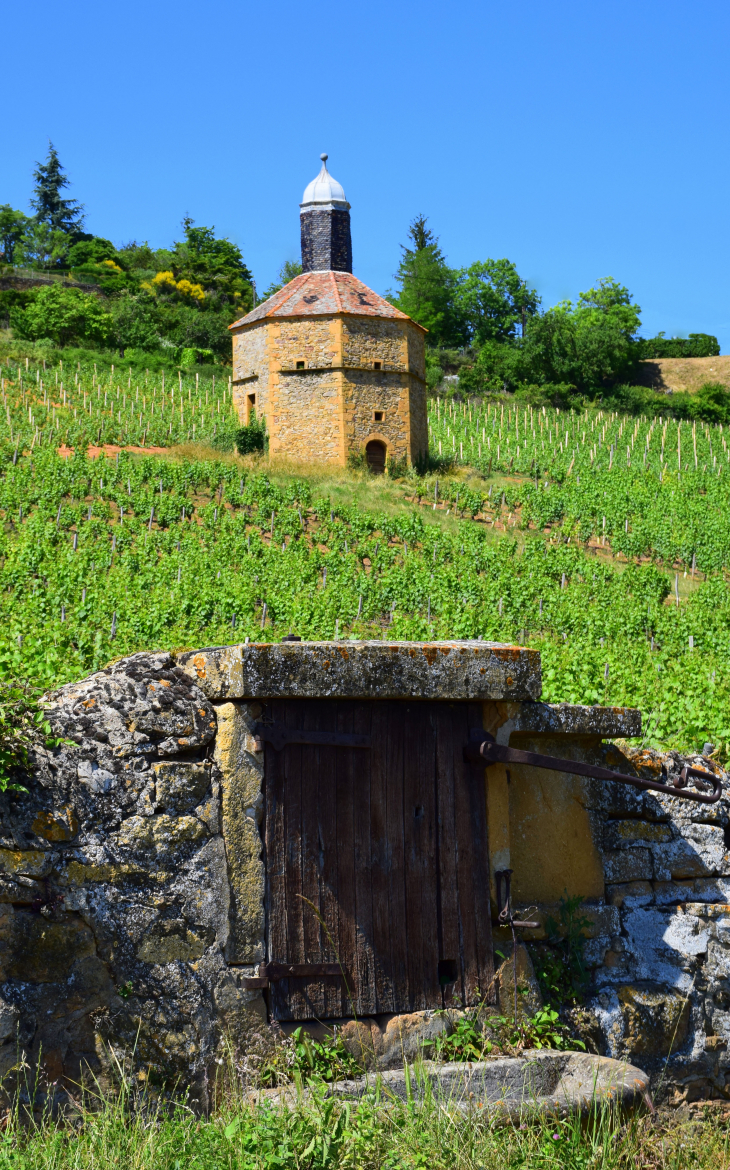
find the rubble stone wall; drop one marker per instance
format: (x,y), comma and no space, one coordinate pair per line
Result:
(659,941)
(131,875)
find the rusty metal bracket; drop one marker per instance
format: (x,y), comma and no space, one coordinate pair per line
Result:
(276,971)
(504,915)
(279,737)
(483,749)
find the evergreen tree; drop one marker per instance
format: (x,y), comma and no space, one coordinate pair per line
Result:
(66,215)
(427,287)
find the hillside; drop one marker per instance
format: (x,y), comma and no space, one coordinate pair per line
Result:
(601,539)
(684,374)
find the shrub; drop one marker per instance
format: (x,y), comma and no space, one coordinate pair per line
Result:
(66,315)
(252,438)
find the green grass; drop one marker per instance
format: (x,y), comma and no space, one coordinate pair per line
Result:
(318,1134)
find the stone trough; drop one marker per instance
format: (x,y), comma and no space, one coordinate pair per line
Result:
(540,1082)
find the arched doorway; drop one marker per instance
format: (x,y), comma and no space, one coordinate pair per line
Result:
(375,455)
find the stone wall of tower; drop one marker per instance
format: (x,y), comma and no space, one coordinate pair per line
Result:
(366,340)
(327,409)
(305,417)
(250,370)
(312,340)
(326,241)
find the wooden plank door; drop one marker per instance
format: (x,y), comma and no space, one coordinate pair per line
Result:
(376,857)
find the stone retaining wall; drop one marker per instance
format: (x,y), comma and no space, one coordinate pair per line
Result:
(131,877)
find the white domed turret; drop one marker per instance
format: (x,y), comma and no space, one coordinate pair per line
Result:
(324,192)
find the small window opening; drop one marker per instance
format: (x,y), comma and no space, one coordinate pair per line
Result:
(300,365)
(377,365)
(252,400)
(378,415)
(448,972)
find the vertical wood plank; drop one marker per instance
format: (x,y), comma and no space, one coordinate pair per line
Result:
(472,862)
(363,832)
(450,942)
(311,717)
(420,856)
(277,942)
(382,830)
(390,754)
(345,848)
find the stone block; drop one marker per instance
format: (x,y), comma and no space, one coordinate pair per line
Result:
(622,834)
(170,941)
(656,1021)
(699,852)
(44,951)
(628,865)
(31,862)
(529,996)
(630,893)
(180,785)
(241,780)
(161,834)
(663,946)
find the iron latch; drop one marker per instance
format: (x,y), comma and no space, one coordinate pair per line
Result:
(483,749)
(279,737)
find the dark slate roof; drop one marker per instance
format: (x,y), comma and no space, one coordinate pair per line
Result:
(319,294)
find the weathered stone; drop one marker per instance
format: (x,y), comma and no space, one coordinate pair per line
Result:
(628,865)
(515,1088)
(180,785)
(44,951)
(241,769)
(656,1022)
(58,825)
(32,863)
(630,893)
(373,670)
(162,833)
(699,852)
(620,834)
(169,941)
(529,997)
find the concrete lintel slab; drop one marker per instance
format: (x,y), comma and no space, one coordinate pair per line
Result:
(366,670)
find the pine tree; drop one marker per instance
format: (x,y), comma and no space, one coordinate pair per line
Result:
(427,287)
(66,215)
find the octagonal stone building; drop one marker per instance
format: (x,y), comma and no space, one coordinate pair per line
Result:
(333,368)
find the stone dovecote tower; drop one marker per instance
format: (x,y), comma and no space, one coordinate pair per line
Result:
(334,369)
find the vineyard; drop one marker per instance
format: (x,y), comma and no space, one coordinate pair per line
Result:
(101,557)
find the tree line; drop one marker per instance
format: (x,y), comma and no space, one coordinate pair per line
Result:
(487,325)
(485,322)
(176,301)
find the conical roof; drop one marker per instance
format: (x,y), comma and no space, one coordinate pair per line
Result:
(320,294)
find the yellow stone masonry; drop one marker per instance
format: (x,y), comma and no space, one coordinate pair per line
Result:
(329,385)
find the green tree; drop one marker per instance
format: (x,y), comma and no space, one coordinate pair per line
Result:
(67,316)
(135,322)
(288,271)
(65,215)
(215,264)
(42,246)
(90,252)
(427,287)
(493,301)
(590,345)
(13,227)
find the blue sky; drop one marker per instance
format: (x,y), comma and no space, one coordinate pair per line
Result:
(579,139)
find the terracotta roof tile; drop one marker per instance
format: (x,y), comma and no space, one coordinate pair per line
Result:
(318,294)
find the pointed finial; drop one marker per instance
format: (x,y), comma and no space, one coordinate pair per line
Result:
(324,157)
